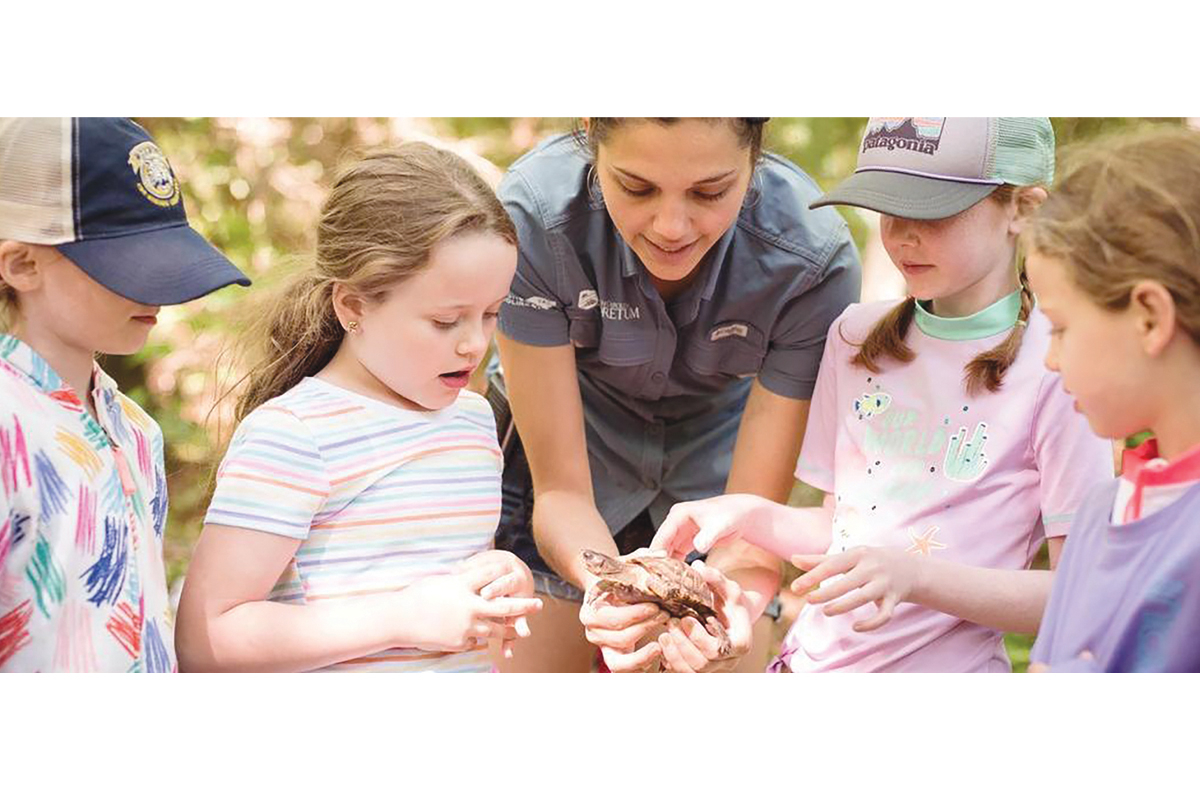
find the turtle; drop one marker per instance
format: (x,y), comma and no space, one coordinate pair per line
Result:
(669,583)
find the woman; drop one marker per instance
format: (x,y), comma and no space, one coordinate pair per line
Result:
(660,343)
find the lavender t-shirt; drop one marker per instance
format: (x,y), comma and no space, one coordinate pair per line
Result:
(1128,594)
(916,463)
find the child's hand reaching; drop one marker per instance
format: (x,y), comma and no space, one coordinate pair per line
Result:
(450,614)
(517,581)
(701,524)
(881,575)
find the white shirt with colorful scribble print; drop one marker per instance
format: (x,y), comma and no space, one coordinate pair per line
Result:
(915,463)
(83,503)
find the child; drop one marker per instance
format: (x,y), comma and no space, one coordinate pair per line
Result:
(949,451)
(1115,260)
(354,512)
(93,240)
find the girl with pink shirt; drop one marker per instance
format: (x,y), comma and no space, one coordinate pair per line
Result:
(947,450)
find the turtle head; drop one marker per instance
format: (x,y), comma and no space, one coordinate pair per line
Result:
(600,564)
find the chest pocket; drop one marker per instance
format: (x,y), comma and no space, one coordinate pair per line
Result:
(732,355)
(616,348)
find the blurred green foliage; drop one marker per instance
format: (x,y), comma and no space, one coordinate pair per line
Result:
(254,188)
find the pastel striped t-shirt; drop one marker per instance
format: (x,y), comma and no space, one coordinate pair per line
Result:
(381,497)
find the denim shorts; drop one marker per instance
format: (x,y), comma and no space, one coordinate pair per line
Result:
(515,532)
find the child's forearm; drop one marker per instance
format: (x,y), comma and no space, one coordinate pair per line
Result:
(269,636)
(1005,599)
(786,531)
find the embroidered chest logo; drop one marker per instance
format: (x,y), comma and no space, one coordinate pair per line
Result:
(157,181)
(739,329)
(609,309)
(918,134)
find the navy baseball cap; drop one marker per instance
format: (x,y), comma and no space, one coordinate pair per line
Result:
(101,191)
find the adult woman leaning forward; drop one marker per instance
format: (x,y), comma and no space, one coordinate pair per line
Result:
(660,344)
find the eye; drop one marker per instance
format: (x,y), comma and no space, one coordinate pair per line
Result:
(635,192)
(712,197)
(444,325)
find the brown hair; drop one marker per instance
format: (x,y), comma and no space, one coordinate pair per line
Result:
(986,370)
(379,225)
(8,307)
(1127,209)
(749,131)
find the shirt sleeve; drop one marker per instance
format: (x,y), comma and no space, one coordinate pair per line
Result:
(815,466)
(798,336)
(533,312)
(272,479)
(1071,460)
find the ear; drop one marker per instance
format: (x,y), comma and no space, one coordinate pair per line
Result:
(347,305)
(1026,201)
(586,122)
(21,265)
(1153,309)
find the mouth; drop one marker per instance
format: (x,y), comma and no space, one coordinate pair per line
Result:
(457,379)
(146,319)
(911,268)
(671,254)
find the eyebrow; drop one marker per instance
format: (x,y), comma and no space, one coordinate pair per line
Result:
(713,179)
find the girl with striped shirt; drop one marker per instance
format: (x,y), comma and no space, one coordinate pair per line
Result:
(352,522)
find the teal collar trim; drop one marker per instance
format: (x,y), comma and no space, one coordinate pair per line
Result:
(996,318)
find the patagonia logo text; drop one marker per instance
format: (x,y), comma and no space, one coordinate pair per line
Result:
(534,301)
(918,134)
(738,329)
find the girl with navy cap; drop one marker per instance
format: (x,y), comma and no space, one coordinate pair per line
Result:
(93,241)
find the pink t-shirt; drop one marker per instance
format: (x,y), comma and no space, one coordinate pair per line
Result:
(917,464)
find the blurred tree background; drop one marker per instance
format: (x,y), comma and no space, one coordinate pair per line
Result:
(254,188)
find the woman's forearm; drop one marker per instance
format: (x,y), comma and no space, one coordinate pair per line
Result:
(565,523)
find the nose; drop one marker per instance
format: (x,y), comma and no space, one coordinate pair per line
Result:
(671,220)
(897,230)
(473,342)
(1051,359)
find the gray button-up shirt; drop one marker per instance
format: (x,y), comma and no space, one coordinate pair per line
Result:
(663,384)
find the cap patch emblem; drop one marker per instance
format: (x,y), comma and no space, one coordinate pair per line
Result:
(919,134)
(157,181)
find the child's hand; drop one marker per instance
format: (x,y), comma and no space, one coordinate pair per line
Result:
(517,581)
(688,647)
(700,524)
(451,616)
(883,576)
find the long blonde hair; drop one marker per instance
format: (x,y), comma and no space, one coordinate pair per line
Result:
(986,370)
(379,225)
(1127,209)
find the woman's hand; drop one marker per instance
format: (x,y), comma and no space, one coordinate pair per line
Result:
(880,575)
(688,647)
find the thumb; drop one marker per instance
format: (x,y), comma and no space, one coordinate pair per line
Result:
(711,533)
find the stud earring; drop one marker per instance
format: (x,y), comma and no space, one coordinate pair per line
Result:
(352,326)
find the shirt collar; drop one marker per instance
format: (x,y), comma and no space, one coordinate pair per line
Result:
(996,318)
(709,266)
(41,375)
(1143,465)
(25,360)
